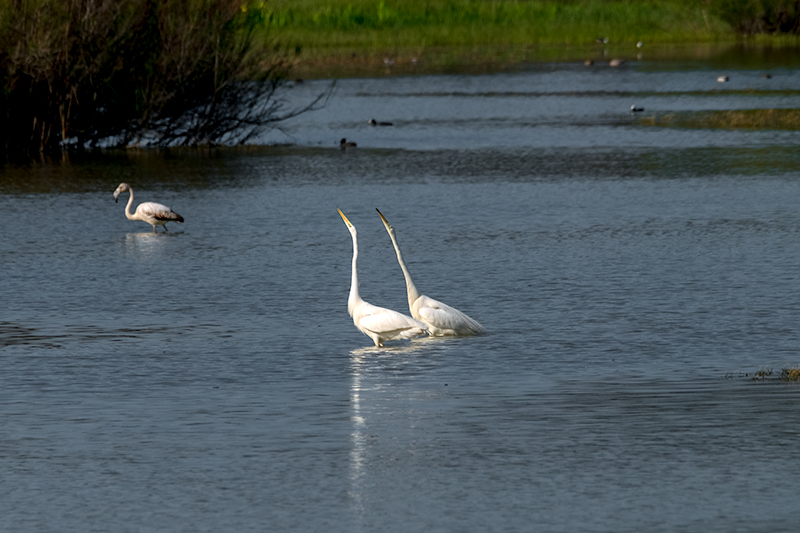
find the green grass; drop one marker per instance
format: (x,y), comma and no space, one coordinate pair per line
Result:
(324,29)
(332,37)
(420,23)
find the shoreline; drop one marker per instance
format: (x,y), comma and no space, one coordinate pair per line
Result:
(355,63)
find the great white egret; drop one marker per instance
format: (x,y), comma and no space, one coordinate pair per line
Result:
(378,323)
(150,212)
(441,318)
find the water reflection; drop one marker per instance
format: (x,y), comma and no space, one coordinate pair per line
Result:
(631,268)
(145,245)
(357,437)
(363,362)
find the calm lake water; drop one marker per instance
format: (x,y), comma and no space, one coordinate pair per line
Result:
(633,280)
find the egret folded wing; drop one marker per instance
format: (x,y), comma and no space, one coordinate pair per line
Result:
(388,322)
(444,317)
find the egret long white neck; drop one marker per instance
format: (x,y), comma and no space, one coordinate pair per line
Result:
(413,293)
(354,298)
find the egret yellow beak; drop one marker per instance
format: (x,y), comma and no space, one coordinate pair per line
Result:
(349,225)
(385,222)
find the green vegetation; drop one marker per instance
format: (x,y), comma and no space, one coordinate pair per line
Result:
(364,32)
(422,23)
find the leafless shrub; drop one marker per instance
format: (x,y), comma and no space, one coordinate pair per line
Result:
(77,73)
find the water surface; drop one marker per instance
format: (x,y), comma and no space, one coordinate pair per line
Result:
(210,379)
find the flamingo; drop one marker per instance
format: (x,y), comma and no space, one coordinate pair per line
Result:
(150,212)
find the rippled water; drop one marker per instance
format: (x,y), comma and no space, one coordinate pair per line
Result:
(209,379)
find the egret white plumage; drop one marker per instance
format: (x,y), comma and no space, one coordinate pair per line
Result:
(440,318)
(378,323)
(150,212)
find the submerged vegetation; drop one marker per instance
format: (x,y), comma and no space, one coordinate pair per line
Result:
(765,374)
(755,119)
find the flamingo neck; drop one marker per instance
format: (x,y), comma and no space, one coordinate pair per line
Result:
(128,213)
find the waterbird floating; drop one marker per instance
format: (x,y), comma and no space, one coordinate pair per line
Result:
(722,79)
(440,318)
(635,109)
(373,122)
(377,323)
(344,144)
(150,212)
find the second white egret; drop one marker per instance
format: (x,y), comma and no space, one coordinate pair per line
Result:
(440,318)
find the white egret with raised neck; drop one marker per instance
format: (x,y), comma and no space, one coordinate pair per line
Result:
(441,319)
(377,323)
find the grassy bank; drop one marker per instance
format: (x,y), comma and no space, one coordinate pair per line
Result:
(337,30)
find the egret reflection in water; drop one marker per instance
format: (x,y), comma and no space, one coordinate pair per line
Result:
(364,362)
